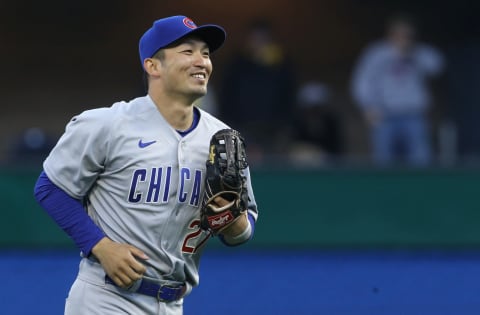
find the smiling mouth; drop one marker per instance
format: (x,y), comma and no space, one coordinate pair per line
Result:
(201,76)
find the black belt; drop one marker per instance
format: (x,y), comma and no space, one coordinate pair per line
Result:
(163,292)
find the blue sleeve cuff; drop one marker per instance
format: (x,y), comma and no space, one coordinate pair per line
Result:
(68,213)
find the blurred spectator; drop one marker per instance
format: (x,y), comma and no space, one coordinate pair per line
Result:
(257,91)
(31,147)
(317,129)
(389,84)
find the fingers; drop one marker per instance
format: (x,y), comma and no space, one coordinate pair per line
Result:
(120,262)
(137,252)
(127,275)
(132,270)
(123,280)
(135,264)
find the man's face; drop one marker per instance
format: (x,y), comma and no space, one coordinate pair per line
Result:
(402,35)
(186,68)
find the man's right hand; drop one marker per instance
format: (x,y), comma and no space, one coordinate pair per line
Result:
(120,261)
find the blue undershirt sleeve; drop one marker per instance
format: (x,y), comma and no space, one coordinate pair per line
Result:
(68,213)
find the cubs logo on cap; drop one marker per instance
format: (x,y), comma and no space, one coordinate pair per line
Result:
(189,23)
(167,30)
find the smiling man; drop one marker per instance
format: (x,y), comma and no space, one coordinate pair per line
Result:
(126,182)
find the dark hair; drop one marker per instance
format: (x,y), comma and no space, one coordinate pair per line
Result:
(401,18)
(160,55)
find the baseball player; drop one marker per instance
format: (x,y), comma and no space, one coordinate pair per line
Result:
(126,182)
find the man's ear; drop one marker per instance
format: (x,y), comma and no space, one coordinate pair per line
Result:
(152,66)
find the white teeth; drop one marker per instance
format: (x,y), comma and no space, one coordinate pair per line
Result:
(199,76)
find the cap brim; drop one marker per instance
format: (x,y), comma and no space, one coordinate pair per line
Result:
(213,35)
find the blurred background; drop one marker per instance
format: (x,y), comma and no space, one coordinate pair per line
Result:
(361,115)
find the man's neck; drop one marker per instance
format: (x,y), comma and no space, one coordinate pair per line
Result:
(179,114)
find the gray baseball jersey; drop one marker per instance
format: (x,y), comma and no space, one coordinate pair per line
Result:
(141,181)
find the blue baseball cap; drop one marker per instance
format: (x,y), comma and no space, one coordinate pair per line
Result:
(167,30)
